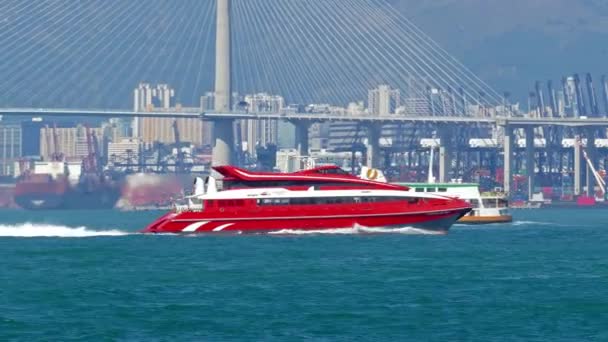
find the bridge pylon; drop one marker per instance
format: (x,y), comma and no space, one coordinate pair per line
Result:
(223,140)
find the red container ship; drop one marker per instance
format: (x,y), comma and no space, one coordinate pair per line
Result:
(7,192)
(320,198)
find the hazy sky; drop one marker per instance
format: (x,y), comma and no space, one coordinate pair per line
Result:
(66,53)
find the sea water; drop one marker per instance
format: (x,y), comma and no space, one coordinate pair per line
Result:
(88,275)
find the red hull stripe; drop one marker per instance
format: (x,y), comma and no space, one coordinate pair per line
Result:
(438,222)
(321,217)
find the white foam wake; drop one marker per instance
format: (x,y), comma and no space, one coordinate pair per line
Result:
(358,230)
(48,230)
(527,223)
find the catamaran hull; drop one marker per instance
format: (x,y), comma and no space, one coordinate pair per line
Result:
(433,221)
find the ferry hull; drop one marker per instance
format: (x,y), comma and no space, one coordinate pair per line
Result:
(178,224)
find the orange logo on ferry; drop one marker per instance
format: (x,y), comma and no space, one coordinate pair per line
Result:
(372,174)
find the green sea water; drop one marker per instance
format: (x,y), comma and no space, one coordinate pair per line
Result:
(542,278)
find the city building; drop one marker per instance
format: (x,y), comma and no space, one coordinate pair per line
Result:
(570,98)
(124,150)
(10,147)
(260,132)
(207,104)
(383,100)
(31,145)
(342,135)
(159,98)
(69,142)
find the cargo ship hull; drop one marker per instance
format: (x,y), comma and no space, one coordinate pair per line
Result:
(71,199)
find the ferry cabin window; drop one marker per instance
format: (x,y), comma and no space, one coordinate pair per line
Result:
(330,200)
(489,203)
(442,189)
(271,184)
(419,189)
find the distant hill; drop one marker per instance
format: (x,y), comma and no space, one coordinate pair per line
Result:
(510,44)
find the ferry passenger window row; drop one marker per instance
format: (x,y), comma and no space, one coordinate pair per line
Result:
(431,190)
(272,184)
(226,203)
(332,200)
(490,202)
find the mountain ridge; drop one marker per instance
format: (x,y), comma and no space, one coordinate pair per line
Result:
(512,44)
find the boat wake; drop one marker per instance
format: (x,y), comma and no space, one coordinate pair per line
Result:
(358,230)
(531,223)
(49,230)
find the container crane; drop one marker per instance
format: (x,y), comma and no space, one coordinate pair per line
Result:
(57,156)
(97,153)
(47,134)
(598,178)
(178,144)
(90,159)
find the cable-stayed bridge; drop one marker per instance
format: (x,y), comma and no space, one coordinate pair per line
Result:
(91,55)
(189,113)
(63,54)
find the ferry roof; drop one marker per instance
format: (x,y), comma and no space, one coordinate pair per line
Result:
(312,175)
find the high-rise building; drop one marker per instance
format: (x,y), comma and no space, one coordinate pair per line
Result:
(571,100)
(146,97)
(340,136)
(30,141)
(159,98)
(10,147)
(383,100)
(265,131)
(207,101)
(124,150)
(207,104)
(71,142)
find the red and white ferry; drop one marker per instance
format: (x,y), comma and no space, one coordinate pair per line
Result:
(320,198)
